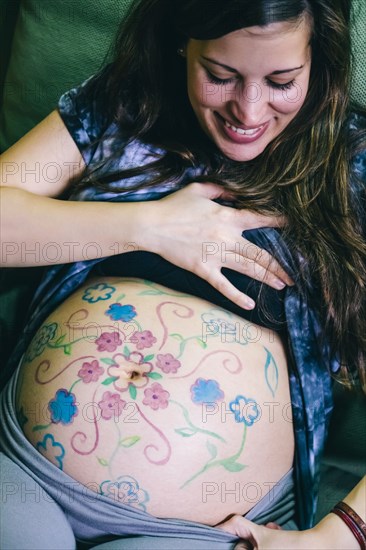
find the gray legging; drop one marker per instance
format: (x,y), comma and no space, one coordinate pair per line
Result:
(43,508)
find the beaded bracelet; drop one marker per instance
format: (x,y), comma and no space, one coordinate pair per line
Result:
(353,521)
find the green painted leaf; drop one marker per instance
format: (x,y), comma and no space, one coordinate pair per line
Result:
(185,432)
(40,427)
(177,336)
(271,372)
(201,343)
(109,380)
(108,361)
(233,466)
(133,391)
(103,461)
(211,449)
(154,375)
(149,357)
(67,349)
(150,293)
(129,441)
(126,351)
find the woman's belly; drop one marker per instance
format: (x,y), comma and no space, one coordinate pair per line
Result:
(160,400)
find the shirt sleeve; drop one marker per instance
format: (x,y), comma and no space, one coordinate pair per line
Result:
(81,110)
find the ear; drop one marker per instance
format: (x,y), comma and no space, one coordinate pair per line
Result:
(182,52)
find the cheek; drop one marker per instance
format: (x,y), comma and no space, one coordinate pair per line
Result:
(203,93)
(289,102)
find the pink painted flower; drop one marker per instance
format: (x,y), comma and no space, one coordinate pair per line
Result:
(156,397)
(112,405)
(108,341)
(130,370)
(144,339)
(90,372)
(167,363)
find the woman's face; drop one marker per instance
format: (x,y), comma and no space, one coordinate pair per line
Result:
(246,86)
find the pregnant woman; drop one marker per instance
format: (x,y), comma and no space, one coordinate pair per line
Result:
(208,283)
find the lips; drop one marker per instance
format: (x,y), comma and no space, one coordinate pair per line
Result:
(241,131)
(241,135)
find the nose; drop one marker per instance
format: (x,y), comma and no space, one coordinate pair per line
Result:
(248,107)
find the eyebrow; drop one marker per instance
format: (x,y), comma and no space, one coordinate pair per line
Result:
(231,70)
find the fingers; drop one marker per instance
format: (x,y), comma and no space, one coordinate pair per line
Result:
(223,285)
(253,220)
(273,525)
(209,191)
(243,528)
(243,545)
(257,263)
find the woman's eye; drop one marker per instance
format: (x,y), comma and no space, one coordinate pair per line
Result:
(277,86)
(216,80)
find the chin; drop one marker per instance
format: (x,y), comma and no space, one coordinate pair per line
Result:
(240,156)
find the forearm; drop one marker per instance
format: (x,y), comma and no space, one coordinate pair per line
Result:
(332,532)
(37,230)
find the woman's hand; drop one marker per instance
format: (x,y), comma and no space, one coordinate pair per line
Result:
(192,231)
(270,537)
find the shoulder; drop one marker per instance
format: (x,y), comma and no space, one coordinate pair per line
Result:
(84,110)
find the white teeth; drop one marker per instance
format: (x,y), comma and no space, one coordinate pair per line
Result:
(241,131)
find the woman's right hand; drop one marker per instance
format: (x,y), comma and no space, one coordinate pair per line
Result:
(192,231)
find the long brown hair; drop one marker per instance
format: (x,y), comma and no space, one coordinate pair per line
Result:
(305,172)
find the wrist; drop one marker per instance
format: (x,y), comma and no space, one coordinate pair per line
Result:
(331,533)
(135,226)
(145,226)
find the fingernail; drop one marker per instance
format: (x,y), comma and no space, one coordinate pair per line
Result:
(279,284)
(250,303)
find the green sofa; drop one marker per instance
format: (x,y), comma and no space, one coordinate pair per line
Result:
(48,46)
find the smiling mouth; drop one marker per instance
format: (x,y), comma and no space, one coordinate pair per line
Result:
(241,131)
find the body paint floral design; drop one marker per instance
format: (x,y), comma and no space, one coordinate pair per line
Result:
(156,397)
(125,489)
(108,341)
(144,339)
(118,312)
(90,372)
(206,391)
(63,407)
(167,363)
(111,405)
(100,291)
(52,450)
(217,325)
(45,334)
(129,370)
(245,410)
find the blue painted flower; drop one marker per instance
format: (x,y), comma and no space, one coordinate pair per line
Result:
(245,410)
(100,291)
(118,312)
(206,391)
(52,450)
(126,489)
(45,334)
(63,407)
(216,325)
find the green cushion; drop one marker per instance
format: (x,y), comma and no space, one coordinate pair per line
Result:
(359,49)
(56,45)
(8,17)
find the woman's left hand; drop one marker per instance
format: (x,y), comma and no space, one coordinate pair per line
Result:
(271,537)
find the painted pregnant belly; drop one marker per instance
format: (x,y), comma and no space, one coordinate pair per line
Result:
(160,400)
